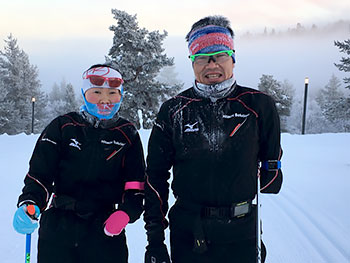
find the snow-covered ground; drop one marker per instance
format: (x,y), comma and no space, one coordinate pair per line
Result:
(309,221)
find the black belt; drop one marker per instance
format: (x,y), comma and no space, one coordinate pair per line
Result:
(236,210)
(84,209)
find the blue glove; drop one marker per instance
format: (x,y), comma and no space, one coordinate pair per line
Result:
(25,220)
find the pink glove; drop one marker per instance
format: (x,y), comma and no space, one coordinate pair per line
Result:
(115,223)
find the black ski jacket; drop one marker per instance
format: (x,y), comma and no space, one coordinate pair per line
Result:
(214,149)
(89,165)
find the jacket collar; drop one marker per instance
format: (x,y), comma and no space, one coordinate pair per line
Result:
(97,123)
(216,91)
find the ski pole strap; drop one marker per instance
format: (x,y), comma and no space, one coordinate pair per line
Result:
(200,243)
(271,165)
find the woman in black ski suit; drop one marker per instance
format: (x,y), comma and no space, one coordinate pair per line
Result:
(93,164)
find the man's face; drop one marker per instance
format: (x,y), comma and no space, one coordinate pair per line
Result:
(213,72)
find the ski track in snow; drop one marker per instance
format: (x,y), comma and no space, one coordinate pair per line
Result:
(311,230)
(313,235)
(290,248)
(308,221)
(295,204)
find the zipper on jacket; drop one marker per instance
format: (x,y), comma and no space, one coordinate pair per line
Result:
(214,127)
(97,123)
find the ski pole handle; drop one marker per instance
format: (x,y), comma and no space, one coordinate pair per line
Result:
(31,210)
(28,241)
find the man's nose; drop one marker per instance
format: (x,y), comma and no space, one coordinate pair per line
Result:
(211,62)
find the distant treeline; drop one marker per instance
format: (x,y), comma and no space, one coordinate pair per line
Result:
(301,30)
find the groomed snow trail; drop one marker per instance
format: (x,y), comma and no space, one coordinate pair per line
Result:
(307,222)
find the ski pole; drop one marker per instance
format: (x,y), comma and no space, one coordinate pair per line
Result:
(28,241)
(258,226)
(31,213)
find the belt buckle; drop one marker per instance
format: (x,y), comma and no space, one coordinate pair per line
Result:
(240,209)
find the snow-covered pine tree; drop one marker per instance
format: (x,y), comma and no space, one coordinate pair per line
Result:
(70,97)
(20,80)
(334,106)
(329,96)
(315,122)
(169,76)
(343,110)
(344,64)
(8,112)
(139,56)
(55,93)
(282,93)
(62,99)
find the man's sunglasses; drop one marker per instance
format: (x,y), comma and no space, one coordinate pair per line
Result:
(218,57)
(99,81)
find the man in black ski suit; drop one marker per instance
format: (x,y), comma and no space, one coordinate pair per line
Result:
(218,137)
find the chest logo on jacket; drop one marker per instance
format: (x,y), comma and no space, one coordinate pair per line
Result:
(191,127)
(75,144)
(112,142)
(235,115)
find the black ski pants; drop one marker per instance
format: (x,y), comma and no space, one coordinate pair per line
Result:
(228,240)
(66,238)
(88,251)
(237,252)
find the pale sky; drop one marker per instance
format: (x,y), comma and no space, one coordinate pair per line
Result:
(67,18)
(64,37)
